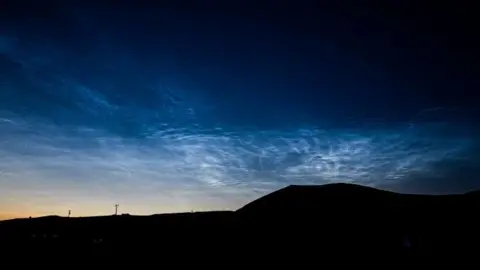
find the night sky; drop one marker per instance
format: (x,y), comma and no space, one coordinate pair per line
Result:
(206,105)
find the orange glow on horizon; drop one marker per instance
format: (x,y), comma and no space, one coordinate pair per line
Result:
(85,209)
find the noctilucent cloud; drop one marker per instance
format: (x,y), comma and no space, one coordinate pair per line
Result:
(185,108)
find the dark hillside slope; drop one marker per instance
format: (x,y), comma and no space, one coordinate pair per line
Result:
(295,221)
(349,217)
(336,199)
(109,235)
(298,200)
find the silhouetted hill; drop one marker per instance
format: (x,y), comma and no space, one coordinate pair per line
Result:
(308,202)
(298,200)
(296,220)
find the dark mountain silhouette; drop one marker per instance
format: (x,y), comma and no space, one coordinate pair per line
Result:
(296,200)
(303,221)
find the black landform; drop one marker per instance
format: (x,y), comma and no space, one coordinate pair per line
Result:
(302,221)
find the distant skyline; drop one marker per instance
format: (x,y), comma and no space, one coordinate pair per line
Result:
(177,107)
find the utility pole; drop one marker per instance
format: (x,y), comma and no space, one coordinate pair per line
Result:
(116,209)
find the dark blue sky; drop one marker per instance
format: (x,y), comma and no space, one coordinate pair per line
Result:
(209,103)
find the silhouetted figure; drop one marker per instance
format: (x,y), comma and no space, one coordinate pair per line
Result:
(116,209)
(69,213)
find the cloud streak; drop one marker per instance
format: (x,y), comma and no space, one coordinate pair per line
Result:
(42,161)
(87,134)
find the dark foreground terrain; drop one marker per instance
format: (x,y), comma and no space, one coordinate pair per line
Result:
(309,222)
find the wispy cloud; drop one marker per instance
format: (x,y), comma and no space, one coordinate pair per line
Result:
(188,168)
(86,142)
